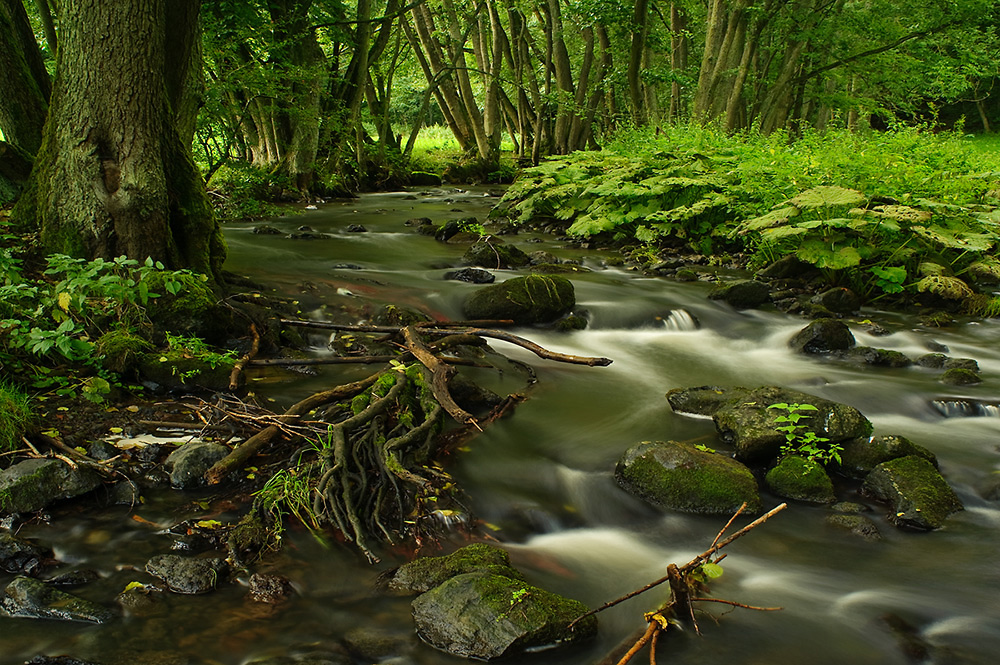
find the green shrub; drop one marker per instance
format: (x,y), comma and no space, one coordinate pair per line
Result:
(15,416)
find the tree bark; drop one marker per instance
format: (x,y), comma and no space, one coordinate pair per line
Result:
(113,176)
(24,81)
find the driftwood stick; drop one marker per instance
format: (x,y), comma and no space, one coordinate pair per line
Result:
(325,325)
(652,629)
(690,565)
(735,604)
(249,448)
(539,351)
(440,374)
(347,360)
(234,376)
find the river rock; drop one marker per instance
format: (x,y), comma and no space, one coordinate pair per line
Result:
(425,573)
(742,294)
(801,479)
(917,494)
(425,179)
(856,525)
(495,255)
(187,575)
(57,660)
(525,300)
(471,275)
(31,598)
(678,476)
(878,357)
(860,456)
(188,464)
(838,300)
(958,376)
(18,555)
(33,484)
(742,417)
(787,267)
(485,616)
(823,336)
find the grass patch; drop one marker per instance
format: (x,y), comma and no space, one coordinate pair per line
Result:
(15,416)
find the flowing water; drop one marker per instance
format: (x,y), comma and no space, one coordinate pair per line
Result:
(543,478)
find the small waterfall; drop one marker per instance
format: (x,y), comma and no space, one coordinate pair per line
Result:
(966,408)
(680,320)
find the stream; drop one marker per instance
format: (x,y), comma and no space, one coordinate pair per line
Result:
(542,479)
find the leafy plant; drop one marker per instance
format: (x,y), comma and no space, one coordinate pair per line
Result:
(802,441)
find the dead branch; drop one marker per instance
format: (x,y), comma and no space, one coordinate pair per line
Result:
(234,376)
(440,374)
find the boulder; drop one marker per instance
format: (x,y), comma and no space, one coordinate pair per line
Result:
(425,573)
(917,494)
(33,484)
(823,336)
(856,525)
(743,418)
(525,300)
(860,456)
(958,376)
(485,616)
(187,575)
(188,464)
(678,476)
(425,179)
(178,371)
(801,479)
(495,255)
(471,275)
(838,300)
(18,555)
(878,357)
(742,294)
(31,598)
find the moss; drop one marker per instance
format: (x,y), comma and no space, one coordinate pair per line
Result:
(249,538)
(918,496)
(801,479)
(860,456)
(428,572)
(15,416)
(960,376)
(193,310)
(529,299)
(678,476)
(121,350)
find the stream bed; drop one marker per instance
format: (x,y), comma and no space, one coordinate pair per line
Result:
(542,479)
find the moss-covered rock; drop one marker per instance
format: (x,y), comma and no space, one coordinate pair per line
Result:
(743,418)
(918,496)
(121,350)
(856,525)
(678,476)
(802,479)
(870,355)
(860,456)
(495,255)
(186,574)
(426,573)
(823,336)
(526,300)
(176,372)
(187,465)
(28,597)
(959,376)
(838,300)
(742,294)
(485,616)
(193,310)
(33,484)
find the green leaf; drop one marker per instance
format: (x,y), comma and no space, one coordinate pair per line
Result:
(827,196)
(712,571)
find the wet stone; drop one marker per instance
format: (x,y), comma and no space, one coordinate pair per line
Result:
(269,588)
(18,555)
(188,464)
(471,275)
(31,598)
(187,575)
(857,525)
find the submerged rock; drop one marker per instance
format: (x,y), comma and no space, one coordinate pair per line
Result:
(823,336)
(856,525)
(743,418)
(878,357)
(188,464)
(486,616)
(958,376)
(471,275)
(426,573)
(28,597)
(802,479)
(860,456)
(526,300)
(33,484)
(742,294)
(495,255)
(187,575)
(917,494)
(678,476)
(18,555)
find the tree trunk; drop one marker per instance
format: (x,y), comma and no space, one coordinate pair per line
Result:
(638,48)
(24,83)
(113,176)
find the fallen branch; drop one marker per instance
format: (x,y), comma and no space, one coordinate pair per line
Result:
(234,376)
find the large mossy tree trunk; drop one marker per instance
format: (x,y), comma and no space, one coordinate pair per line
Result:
(113,175)
(23,80)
